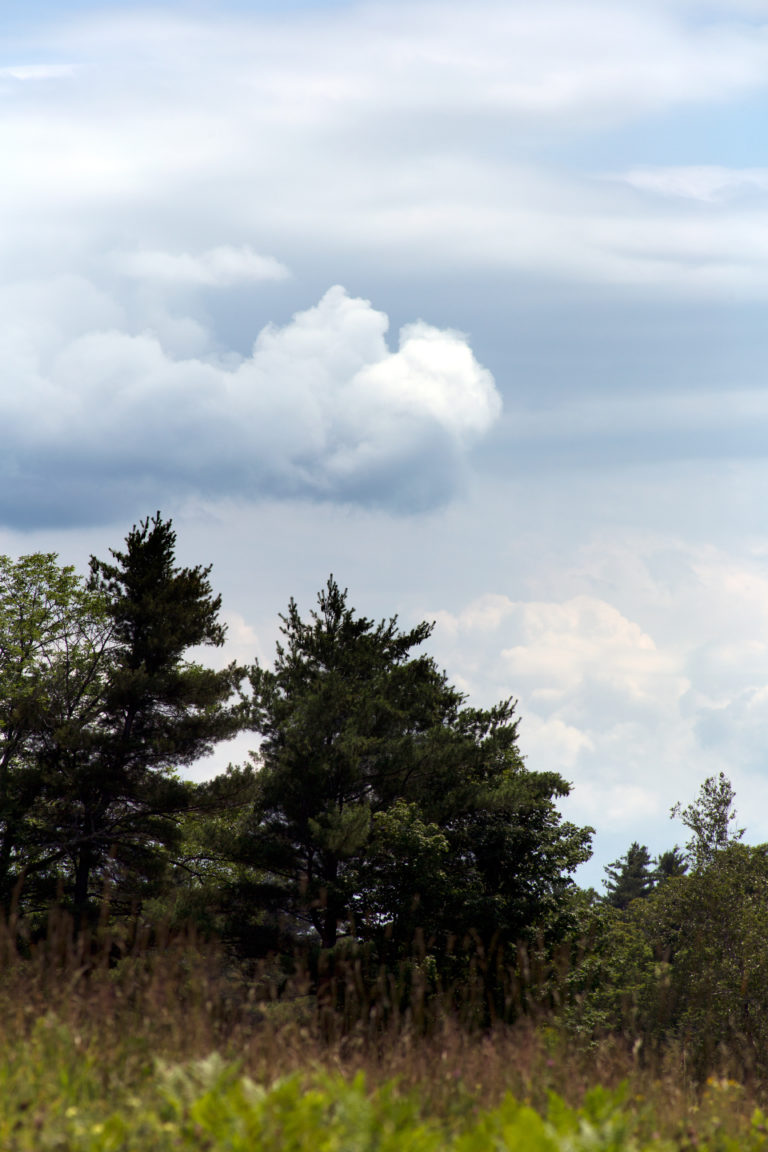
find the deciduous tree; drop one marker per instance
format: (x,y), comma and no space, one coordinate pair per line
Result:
(709,818)
(55,636)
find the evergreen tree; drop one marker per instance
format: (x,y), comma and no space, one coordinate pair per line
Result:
(384,803)
(629,877)
(669,864)
(99,707)
(114,789)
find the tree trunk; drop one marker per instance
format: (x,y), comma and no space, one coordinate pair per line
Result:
(83,869)
(330,927)
(331,908)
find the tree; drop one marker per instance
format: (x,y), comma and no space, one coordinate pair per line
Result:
(383,801)
(687,965)
(709,819)
(206,887)
(709,931)
(629,877)
(120,796)
(99,707)
(55,635)
(669,864)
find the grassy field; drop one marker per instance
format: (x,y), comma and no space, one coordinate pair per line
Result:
(171,1048)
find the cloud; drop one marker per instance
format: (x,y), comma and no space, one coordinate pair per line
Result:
(587,645)
(562,652)
(405,136)
(688,419)
(96,420)
(638,694)
(709,184)
(37,72)
(217,268)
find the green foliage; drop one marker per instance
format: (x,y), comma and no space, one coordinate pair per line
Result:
(687,965)
(205,885)
(55,662)
(159,711)
(162,710)
(403,880)
(209,1100)
(98,708)
(710,929)
(709,819)
(609,975)
(61,1102)
(629,877)
(345,717)
(385,804)
(669,864)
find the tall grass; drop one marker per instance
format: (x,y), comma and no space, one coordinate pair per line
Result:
(85,1021)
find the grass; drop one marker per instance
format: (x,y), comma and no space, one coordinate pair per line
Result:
(170,1046)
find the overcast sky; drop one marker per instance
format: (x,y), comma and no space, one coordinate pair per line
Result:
(463,303)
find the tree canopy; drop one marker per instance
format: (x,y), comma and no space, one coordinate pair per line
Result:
(55,657)
(385,804)
(98,708)
(630,877)
(709,819)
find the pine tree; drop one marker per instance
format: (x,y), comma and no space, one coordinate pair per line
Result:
(669,865)
(113,796)
(629,877)
(385,804)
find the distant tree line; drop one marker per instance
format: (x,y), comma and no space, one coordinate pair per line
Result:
(709,819)
(676,949)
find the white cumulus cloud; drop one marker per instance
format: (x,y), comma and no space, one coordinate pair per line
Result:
(322,408)
(637,693)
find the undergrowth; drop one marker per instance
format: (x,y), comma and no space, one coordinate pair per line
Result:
(168,1044)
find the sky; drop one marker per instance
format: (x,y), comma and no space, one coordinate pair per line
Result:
(462,304)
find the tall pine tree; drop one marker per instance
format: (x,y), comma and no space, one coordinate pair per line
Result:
(630,877)
(113,795)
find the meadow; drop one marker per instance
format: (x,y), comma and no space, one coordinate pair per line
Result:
(404,961)
(168,1044)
